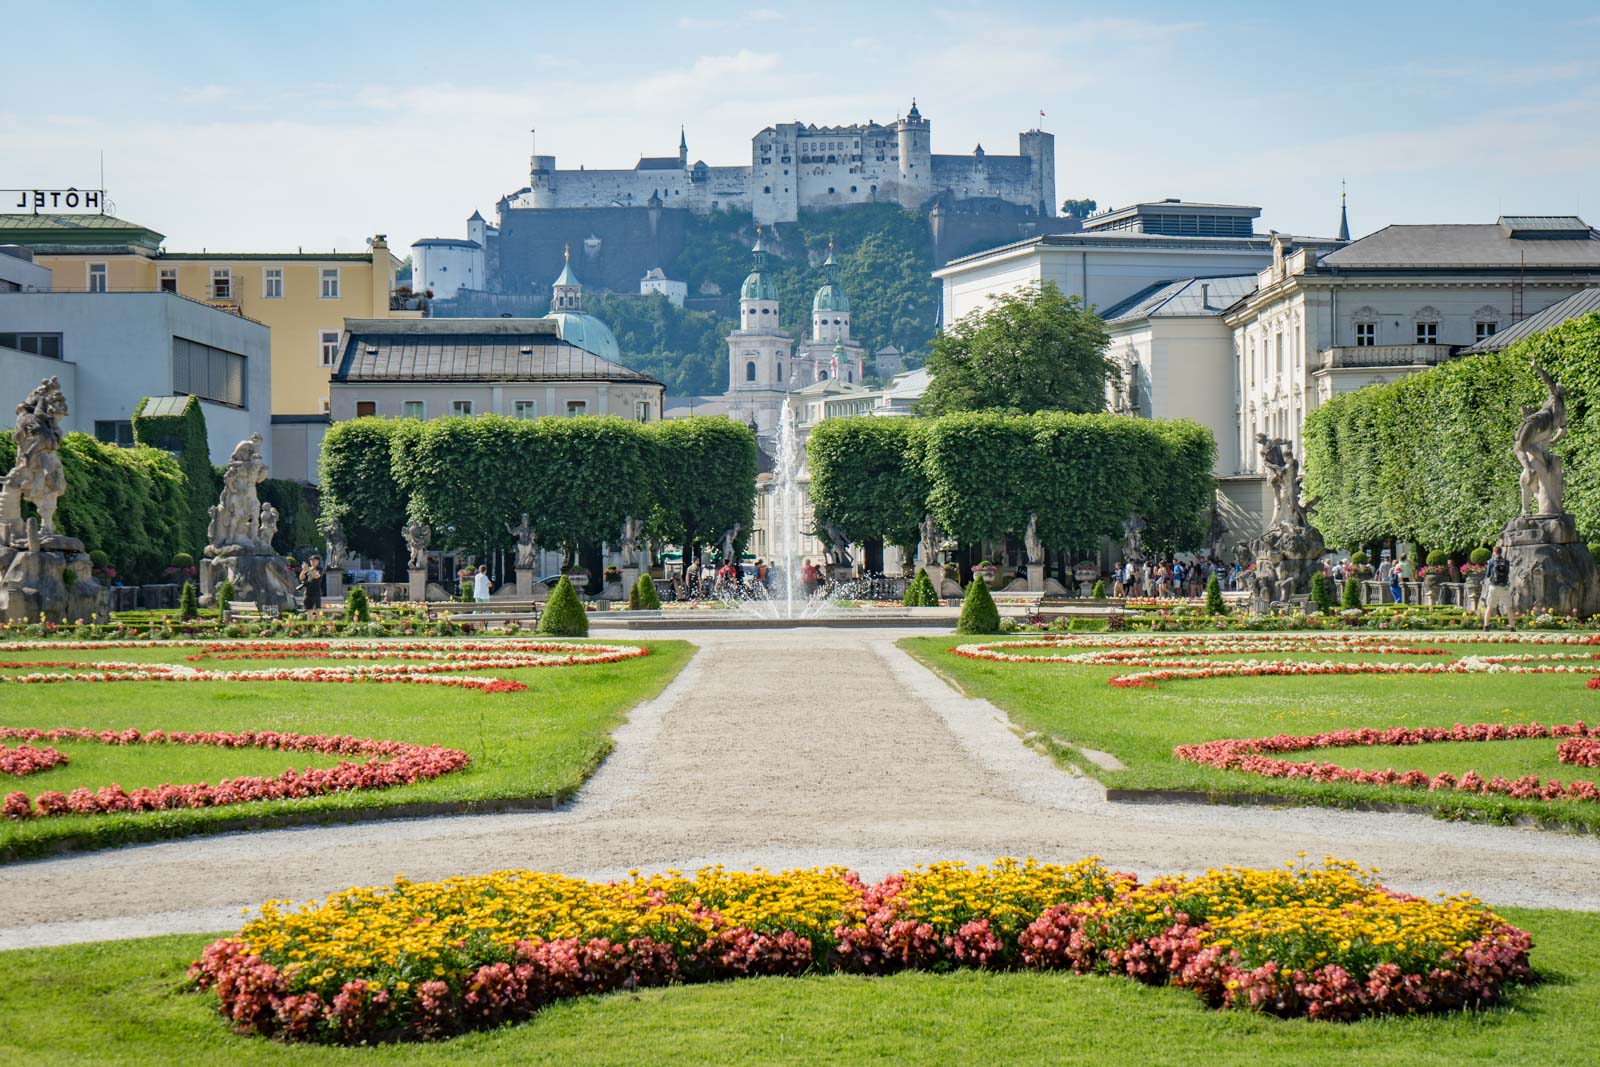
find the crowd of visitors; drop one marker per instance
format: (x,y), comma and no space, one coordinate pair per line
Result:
(1171,577)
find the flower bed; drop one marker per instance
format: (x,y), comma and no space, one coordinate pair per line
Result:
(1256,756)
(387,763)
(26,759)
(419,961)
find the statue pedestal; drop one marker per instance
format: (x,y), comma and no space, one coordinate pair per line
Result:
(841,573)
(35,583)
(941,584)
(1036,577)
(630,578)
(1551,569)
(419,584)
(333,583)
(262,580)
(524,583)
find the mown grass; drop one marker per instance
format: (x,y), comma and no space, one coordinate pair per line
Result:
(539,743)
(1073,705)
(123,1003)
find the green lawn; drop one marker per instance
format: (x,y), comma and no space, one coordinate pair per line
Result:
(541,742)
(123,1003)
(1074,706)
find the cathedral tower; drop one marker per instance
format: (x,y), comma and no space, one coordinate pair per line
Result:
(758,351)
(830,309)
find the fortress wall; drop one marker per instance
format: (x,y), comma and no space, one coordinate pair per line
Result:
(1009,178)
(531,242)
(602,188)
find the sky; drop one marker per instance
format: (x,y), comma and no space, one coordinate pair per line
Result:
(269,127)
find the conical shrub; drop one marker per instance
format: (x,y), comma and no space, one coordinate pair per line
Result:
(188,602)
(921,593)
(563,613)
(1352,592)
(978,613)
(1214,602)
(643,597)
(357,605)
(1322,592)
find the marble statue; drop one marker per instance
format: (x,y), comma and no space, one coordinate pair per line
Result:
(1283,475)
(729,537)
(523,532)
(930,539)
(838,546)
(417,534)
(1291,550)
(238,522)
(1133,538)
(36,475)
(632,536)
(1542,427)
(338,551)
(267,526)
(1031,543)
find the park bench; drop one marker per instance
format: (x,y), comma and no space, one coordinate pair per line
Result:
(250,611)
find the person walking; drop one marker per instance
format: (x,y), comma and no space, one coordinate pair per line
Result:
(1397,589)
(480,584)
(311,585)
(1497,588)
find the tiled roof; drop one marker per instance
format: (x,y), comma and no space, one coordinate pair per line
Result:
(1575,306)
(1466,246)
(477,350)
(1183,297)
(76,231)
(659,163)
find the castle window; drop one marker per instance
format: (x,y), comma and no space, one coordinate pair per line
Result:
(780,372)
(830,190)
(852,188)
(766,188)
(1366,334)
(750,371)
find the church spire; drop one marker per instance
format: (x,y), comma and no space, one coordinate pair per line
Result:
(1344,217)
(567,292)
(683,147)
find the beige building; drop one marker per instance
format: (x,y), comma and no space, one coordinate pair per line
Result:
(302,297)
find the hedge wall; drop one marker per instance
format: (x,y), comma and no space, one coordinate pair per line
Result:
(1428,458)
(982,475)
(184,435)
(131,503)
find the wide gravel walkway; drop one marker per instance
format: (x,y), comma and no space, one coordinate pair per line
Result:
(785,748)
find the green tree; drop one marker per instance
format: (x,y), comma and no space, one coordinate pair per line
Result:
(359,487)
(706,482)
(1078,209)
(1215,605)
(867,478)
(978,612)
(1032,350)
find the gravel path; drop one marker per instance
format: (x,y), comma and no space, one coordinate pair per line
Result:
(785,748)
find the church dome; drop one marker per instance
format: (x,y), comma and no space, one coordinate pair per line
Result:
(588,333)
(757,286)
(830,298)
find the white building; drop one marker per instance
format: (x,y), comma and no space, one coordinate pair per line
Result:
(1119,253)
(19,273)
(656,281)
(1397,301)
(111,350)
(445,265)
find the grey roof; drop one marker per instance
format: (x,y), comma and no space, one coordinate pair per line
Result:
(444,242)
(1466,246)
(1586,302)
(1569,224)
(659,163)
(165,405)
(1184,297)
(471,350)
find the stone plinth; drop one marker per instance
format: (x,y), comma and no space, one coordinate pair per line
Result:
(1035,578)
(419,584)
(333,583)
(55,581)
(630,578)
(524,583)
(1551,569)
(262,580)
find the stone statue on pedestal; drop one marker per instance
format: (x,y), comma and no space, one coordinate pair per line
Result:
(268,525)
(838,546)
(628,543)
(1133,538)
(1291,550)
(42,573)
(1551,569)
(240,535)
(337,553)
(729,537)
(1031,543)
(523,533)
(929,539)
(417,534)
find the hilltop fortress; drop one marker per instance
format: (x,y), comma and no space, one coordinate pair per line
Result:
(795,167)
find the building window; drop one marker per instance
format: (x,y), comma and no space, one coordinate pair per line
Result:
(47,345)
(221,284)
(750,371)
(413,409)
(330,283)
(641,410)
(780,372)
(272,283)
(209,373)
(525,409)
(328,341)
(366,408)
(1366,334)
(1427,333)
(169,280)
(97,277)
(461,407)
(117,432)
(577,407)
(1486,330)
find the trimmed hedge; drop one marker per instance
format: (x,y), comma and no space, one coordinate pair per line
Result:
(184,436)
(643,595)
(920,593)
(1428,458)
(563,615)
(978,612)
(1215,605)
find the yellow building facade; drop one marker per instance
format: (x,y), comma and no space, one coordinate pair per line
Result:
(302,297)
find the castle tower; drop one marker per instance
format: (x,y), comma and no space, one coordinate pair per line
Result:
(566,294)
(478,230)
(916,159)
(1040,148)
(758,351)
(830,308)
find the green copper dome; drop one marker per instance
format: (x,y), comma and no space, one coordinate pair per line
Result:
(757,286)
(830,298)
(588,333)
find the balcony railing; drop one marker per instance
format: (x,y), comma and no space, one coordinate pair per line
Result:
(1386,355)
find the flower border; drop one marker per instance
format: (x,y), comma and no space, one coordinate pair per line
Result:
(24,760)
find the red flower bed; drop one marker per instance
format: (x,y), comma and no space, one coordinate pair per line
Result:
(387,763)
(1254,756)
(26,759)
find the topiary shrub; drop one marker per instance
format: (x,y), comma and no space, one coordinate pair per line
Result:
(182,559)
(100,560)
(1438,558)
(1359,558)
(1480,556)
(357,606)
(1322,592)
(564,615)
(188,602)
(1099,590)
(1352,593)
(978,613)
(920,593)
(226,594)
(643,596)
(1214,603)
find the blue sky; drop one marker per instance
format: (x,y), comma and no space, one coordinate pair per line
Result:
(286,124)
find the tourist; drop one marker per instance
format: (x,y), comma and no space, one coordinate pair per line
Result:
(1397,590)
(1146,579)
(810,578)
(480,584)
(1180,578)
(311,585)
(1497,588)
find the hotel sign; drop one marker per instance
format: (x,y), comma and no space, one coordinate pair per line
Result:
(56,199)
